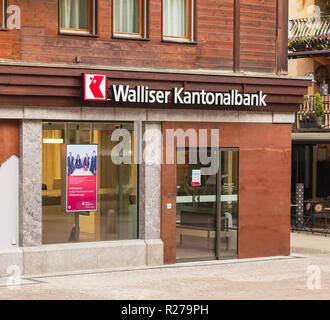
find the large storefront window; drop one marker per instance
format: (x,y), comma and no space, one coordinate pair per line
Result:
(117,212)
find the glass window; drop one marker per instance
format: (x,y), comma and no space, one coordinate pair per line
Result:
(117,209)
(3,6)
(77,15)
(207,206)
(129,17)
(177,19)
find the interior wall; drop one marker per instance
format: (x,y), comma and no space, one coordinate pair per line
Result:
(304,8)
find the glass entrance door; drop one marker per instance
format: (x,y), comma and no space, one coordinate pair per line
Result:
(196,210)
(207,208)
(228,204)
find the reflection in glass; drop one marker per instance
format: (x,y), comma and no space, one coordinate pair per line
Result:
(75,14)
(196,210)
(207,208)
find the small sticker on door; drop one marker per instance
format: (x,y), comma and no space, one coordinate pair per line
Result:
(196,178)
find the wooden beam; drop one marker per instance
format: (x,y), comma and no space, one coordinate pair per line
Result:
(322,60)
(237,40)
(282,37)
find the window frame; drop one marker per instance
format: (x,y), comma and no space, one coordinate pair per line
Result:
(142,35)
(191,17)
(3,15)
(92,21)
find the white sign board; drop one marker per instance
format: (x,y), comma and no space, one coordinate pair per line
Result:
(196,178)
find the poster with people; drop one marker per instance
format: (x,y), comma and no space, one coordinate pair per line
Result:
(81,177)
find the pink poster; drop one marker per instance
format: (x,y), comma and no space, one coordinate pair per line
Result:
(81,173)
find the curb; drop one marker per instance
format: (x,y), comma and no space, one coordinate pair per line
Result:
(309,250)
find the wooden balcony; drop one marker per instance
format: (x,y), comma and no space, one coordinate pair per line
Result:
(305,117)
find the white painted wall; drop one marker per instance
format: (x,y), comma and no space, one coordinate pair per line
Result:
(302,8)
(300,67)
(9,202)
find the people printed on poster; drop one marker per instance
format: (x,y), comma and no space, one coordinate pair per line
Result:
(71,163)
(77,166)
(93,163)
(86,162)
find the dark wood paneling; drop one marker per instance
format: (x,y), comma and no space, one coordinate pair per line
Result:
(282,37)
(258,35)
(62,87)
(38,40)
(237,37)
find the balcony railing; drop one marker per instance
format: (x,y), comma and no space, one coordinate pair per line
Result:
(309,34)
(305,117)
(313,218)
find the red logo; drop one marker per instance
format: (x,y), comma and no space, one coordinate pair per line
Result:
(95,85)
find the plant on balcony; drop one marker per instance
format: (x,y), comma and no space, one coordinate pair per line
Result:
(309,116)
(319,109)
(295,45)
(308,120)
(301,44)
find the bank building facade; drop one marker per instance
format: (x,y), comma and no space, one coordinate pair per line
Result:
(75,80)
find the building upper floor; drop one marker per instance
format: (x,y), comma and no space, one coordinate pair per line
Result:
(228,35)
(309,28)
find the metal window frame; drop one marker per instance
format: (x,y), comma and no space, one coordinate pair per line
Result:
(218,222)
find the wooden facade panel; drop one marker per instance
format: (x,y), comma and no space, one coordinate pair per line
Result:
(258,18)
(153,76)
(52,86)
(38,39)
